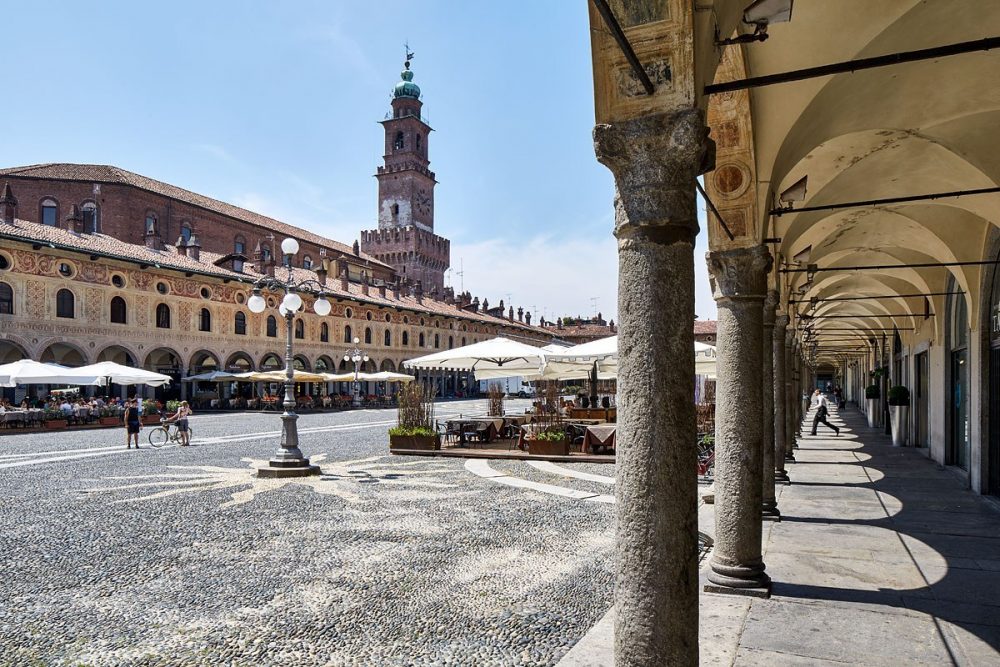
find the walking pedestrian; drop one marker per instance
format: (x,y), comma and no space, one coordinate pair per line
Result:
(183,412)
(822,410)
(132,423)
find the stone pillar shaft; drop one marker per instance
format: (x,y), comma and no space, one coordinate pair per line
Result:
(780,397)
(790,401)
(769,505)
(655,160)
(740,279)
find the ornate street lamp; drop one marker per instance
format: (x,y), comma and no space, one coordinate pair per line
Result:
(358,356)
(288,460)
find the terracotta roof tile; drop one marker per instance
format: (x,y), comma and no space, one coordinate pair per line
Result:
(705,326)
(100,173)
(169,258)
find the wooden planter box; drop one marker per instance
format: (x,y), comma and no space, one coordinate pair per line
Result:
(548,447)
(109,421)
(414,442)
(56,423)
(150,420)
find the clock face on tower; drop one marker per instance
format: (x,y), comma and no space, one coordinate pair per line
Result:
(423,202)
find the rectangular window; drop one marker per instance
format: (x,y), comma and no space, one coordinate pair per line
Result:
(49,216)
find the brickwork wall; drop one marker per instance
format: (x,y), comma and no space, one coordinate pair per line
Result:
(122,213)
(414,253)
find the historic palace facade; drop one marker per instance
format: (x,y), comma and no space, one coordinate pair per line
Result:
(98,263)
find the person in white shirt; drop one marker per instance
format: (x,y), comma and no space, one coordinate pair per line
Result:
(822,410)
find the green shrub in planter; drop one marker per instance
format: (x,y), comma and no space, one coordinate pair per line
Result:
(872,391)
(899,395)
(410,431)
(150,407)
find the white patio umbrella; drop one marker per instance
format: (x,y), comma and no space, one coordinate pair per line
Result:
(387,376)
(212,376)
(27,371)
(109,371)
(280,376)
(484,357)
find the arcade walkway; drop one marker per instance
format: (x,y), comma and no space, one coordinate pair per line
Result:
(881,558)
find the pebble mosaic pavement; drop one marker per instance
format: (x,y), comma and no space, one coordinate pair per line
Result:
(179,556)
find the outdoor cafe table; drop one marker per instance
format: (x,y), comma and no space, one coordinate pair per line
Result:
(599,436)
(21,417)
(491,424)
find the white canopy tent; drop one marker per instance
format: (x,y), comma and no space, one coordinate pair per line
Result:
(109,371)
(27,371)
(497,354)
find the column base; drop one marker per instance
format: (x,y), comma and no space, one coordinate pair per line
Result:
(771,513)
(781,477)
(761,589)
(750,580)
(789,457)
(277,468)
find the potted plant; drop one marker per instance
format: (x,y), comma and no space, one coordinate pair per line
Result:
(899,408)
(495,404)
(872,394)
(549,442)
(107,417)
(151,412)
(172,408)
(54,419)
(414,427)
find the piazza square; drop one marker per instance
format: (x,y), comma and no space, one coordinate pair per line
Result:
(615,333)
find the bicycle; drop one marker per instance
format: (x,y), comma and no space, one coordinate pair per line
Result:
(165,433)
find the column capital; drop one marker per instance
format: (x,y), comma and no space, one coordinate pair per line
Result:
(655,160)
(780,324)
(739,273)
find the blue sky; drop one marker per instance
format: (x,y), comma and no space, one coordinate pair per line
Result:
(274,106)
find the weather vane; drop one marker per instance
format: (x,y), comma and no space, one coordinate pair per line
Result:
(409,54)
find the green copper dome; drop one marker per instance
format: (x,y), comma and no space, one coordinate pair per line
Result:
(406,87)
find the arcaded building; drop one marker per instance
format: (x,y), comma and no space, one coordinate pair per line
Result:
(98,263)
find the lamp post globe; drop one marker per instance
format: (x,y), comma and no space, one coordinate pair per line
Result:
(256,304)
(322,307)
(290,246)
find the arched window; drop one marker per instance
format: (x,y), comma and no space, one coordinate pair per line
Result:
(89,212)
(265,253)
(437,341)
(205,320)
(399,142)
(150,223)
(240,323)
(162,316)
(395,210)
(186,231)
(240,245)
(388,338)
(307,262)
(272,326)
(418,142)
(50,212)
(65,303)
(300,329)
(368,335)
(420,340)
(406,338)
(348,337)
(324,332)
(451,342)
(119,311)
(6,299)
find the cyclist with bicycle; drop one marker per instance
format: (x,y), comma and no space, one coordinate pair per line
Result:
(181,418)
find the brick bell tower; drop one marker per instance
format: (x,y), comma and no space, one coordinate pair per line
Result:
(405,237)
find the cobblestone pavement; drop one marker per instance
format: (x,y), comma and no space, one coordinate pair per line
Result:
(179,556)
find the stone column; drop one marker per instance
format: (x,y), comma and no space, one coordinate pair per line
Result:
(655,160)
(769,505)
(780,398)
(790,401)
(739,278)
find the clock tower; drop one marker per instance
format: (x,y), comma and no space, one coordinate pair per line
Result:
(405,237)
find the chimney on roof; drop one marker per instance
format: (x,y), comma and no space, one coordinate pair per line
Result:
(559,323)
(8,205)
(395,289)
(356,248)
(475,305)
(527,318)
(541,322)
(449,295)
(418,291)
(364,283)
(520,314)
(510,313)
(611,325)
(381,289)
(194,248)
(74,219)
(152,239)
(321,272)
(343,278)
(181,246)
